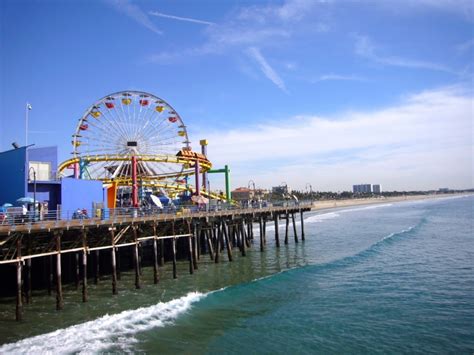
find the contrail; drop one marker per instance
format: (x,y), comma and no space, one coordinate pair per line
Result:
(159,14)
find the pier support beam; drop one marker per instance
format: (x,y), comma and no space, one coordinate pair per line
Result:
(193,237)
(77,270)
(59,288)
(136,258)
(19,301)
(243,238)
(84,266)
(190,256)
(277,232)
(287,226)
(175,275)
(302,225)
(114,261)
(260,223)
(227,241)
(208,234)
(156,276)
(217,238)
(294,227)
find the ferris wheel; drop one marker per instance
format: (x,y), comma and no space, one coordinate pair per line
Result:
(127,124)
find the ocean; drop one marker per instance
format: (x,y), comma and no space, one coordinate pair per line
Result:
(389,278)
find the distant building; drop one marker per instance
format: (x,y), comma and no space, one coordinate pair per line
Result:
(242,194)
(362,189)
(377,189)
(280,190)
(443,189)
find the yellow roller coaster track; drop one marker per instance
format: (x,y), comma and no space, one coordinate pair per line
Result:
(152,181)
(190,160)
(147,182)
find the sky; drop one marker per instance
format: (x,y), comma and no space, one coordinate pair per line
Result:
(327,93)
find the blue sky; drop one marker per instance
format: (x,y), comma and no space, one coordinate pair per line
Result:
(330,93)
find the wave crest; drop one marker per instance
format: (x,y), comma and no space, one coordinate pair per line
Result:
(107,332)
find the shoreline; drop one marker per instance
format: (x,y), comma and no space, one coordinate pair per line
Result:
(330,204)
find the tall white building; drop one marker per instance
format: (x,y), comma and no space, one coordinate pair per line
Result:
(362,189)
(377,189)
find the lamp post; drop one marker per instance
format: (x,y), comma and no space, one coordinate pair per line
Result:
(28,108)
(34,190)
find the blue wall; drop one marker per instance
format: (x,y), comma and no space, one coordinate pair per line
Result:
(12,175)
(47,192)
(79,194)
(45,154)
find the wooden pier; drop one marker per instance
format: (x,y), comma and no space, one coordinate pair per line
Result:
(94,245)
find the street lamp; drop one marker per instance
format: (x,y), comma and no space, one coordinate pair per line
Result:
(28,108)
(34,190)
(310,189)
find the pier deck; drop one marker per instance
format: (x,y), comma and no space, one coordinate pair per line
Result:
(89,243)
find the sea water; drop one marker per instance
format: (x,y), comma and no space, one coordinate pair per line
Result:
(380,279)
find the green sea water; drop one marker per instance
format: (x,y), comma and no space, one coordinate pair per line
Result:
(391,278)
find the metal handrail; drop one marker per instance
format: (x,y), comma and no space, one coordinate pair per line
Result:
(88,216)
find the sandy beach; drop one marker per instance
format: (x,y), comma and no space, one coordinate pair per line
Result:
(321,205)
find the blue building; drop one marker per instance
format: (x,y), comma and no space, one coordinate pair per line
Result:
(26,170)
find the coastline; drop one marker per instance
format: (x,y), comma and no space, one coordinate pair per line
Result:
(330,204)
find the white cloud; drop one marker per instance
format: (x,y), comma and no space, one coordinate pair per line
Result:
(179,18)
(424,142)
(365,48)
(133,11)
(266,68)
(260,26)
(338,77)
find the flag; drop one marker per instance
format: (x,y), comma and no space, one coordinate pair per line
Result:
(29,107)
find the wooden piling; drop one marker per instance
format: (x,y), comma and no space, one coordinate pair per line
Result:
(227,242)
(190,256)
(175,275)
(243,237)
(302,225)
(84,266)
(193,235)
(113,260)
(264,230)
(260,223)
(277,232)
(136,258)
(294,227)
(217,238)
(19,301)
(209,244)
(59,288)
(287,226)
(162,253)
(77,270)
(156,276)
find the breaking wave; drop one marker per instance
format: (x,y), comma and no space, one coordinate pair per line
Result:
(110,332)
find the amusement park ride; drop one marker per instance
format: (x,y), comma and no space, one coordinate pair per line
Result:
(133,140)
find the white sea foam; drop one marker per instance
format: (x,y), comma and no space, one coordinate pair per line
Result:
(107,332)
(321,217)
(330,215)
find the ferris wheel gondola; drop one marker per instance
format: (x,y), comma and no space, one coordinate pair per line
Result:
(127,124)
